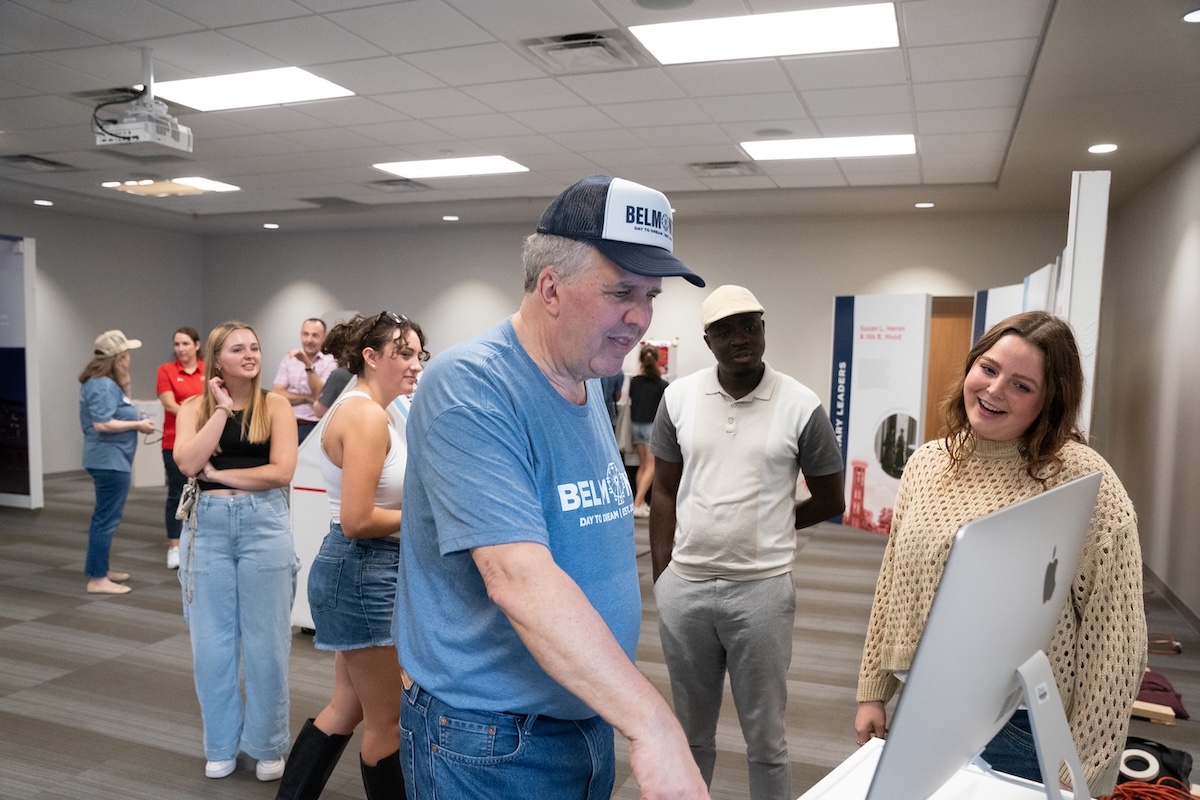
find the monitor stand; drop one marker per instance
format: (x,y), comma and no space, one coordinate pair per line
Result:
(1051,734)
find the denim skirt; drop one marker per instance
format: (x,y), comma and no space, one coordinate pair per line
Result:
(352,591)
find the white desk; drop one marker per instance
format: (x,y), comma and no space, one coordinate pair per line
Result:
(851,779)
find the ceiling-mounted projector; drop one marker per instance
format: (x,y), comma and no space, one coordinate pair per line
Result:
(145,128)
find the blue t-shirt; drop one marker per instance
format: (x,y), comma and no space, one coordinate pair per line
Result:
(496,455)
(101,400)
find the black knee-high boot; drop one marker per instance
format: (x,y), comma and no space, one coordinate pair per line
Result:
(311,762)
(384,781)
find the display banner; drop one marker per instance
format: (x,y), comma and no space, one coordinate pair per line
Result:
(20,419)
(877,397)
(993,305)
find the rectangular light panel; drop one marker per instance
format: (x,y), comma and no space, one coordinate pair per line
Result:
(786,33)
(833,147)
(267,87)
(451,167)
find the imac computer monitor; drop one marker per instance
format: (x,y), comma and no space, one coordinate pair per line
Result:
(1006,581)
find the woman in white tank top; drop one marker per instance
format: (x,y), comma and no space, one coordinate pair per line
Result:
(352,584)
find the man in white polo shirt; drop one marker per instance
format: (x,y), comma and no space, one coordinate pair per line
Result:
(729,444)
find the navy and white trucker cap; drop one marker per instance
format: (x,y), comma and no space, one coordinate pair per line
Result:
(627,222)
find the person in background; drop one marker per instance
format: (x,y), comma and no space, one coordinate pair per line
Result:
(110,426)
(645,390)
(177,381)
(332,389)
(730,443)
(238,570)
(1011,433)
(302,374)
(611,387)
(518,607)
(352,584)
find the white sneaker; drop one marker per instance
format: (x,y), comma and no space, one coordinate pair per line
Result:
(219,769)
(641,511)
(270,770)
(173,558)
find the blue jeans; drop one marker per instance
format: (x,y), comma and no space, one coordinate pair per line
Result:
(238,572)
(1013,751)
(453,754)
(352,591)
(112,488)
(175,482)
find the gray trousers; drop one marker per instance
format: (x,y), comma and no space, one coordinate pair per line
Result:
(745,627)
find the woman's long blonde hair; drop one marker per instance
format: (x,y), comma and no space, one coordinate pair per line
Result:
(256,421)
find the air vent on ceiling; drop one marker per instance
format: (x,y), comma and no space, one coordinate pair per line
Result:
(724,169)
(579,53)
(330,202)
(398,185)
(35,164)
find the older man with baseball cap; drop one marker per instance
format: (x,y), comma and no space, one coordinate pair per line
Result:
(729,443)
(518,608)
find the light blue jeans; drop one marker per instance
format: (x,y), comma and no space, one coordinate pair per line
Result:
(112,489)
(449,753)
(238,573)
(745,627)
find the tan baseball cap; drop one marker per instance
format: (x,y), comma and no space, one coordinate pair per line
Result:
(113,343)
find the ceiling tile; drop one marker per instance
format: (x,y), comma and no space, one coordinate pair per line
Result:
(870,125)
(588,140)
(857,102)
(959,62)
(223,13)
(484,63)
(25,31)
(383,75)
(879,164)
(303,41)
(944,144)
(967,121)
(267,119)
(731,78)
(205,54)
(903,177)
(933,22)
(412,26)
(120,20)
(433,103)
(512,21)
(623,87)
(764,107)
(561,121)
(750,130)
(36,75)
(657,112)
(401,133)
(988,93)
(480,125)
(670,135)
(328,139)
(847,70)
(344,111)
(31,113)
(525,95)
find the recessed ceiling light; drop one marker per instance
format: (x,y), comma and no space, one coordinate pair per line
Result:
(449,218)
(832,147)
(43,202)
(1102,148)
(786,33)
(267,87)
(922,205)
(1192,16)
(271,226)
(452,167)
(171,188)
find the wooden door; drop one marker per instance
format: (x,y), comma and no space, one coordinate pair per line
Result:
(949,343)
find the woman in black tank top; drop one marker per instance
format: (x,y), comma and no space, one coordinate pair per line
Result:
(238,568)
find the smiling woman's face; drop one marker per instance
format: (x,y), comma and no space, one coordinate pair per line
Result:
(1005,390)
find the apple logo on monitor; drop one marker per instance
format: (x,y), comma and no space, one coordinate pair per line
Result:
(1048,584)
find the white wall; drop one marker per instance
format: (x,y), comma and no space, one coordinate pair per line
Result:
(1148,381)
(93,276)
(456,281)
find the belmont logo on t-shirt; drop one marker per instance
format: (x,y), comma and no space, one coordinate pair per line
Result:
(609,493)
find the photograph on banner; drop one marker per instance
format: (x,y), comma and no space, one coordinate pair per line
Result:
(881,354)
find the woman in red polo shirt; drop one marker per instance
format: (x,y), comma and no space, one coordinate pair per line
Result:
(177,381)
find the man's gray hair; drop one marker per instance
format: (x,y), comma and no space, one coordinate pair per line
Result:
(569,257)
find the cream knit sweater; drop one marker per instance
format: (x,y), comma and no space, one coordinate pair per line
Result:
(1098,652)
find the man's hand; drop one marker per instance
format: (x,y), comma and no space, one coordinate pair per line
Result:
(662,764)
(301,356)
